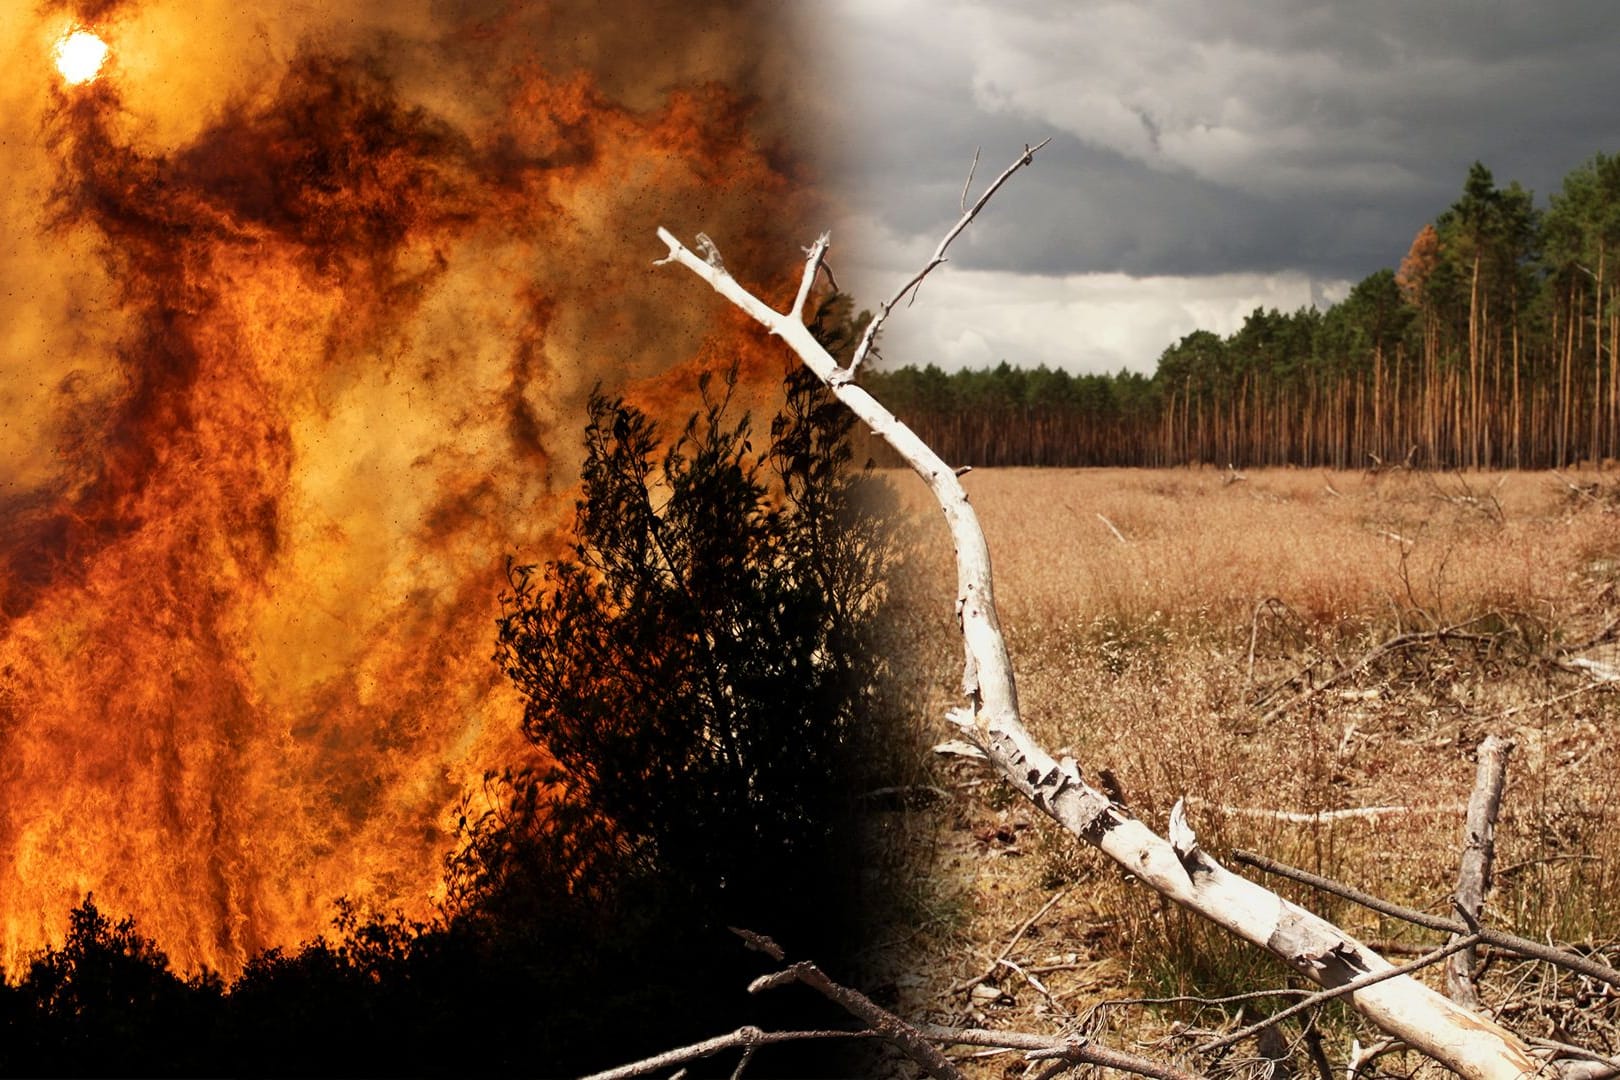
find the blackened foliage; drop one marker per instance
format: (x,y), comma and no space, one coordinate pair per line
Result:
(701,671)
(106,1004)
(699,666)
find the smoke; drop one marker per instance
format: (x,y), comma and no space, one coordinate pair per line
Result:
(299,316)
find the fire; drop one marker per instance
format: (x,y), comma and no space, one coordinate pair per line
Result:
(282,394)
(80,55)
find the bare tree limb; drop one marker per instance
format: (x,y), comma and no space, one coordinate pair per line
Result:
(1402,1006)
(1321,817)
(869,338)
(1041,1047)
(1339,991)
(886,1024)
(1479,851)
(1564,958)
(746,1037)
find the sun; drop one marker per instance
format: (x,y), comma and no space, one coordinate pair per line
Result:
(79,56)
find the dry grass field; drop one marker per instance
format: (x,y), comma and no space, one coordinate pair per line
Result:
(1196,643)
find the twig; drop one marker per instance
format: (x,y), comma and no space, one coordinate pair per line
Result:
(968,183)
(1207,1002)
(870,336)
(747,1037)
(1076,1051)
(1564,958)
(1479,851)
(1360,1058)
(1007,949)
(1560,699)
(886,1024)
(1577,1052)
(1339,991)
(1039,986)
(1525,864)
(1113,529)
(1318,817)
(1454,632)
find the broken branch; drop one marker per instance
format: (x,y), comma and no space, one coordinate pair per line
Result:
(1564,958)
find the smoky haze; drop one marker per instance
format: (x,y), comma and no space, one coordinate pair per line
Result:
(299,316)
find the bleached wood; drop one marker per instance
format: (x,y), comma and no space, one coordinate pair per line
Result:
(1479,851)
(1401,1006)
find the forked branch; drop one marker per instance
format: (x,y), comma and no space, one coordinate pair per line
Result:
(1403,1007)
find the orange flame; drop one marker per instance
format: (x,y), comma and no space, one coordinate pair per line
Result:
(330,356)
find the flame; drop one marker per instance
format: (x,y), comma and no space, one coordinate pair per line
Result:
(79,55)
(316,368)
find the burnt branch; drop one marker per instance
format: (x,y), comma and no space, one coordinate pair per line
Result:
(885,1024)
(747,1038)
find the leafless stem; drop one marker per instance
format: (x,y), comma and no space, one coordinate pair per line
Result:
(969,984)
(1454,632)
(910,287)
(1075,1051)
(1113,529)
(747,1037)
(968,183)
(886,1024)
(1339,991)
(1479,851)
(1564,958)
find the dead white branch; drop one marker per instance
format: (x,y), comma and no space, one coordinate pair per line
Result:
(1479,851)
(1322,817)
(1401,1006)
(869,338)
(1564,958)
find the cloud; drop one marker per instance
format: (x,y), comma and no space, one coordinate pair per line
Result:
(1214,136)
(1281,140)
(1079,322)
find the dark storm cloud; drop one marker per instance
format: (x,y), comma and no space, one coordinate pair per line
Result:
(1208,137)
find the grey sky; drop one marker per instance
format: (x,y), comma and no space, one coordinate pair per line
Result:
(1216,153)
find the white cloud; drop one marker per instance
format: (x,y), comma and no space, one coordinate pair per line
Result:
(1079,322)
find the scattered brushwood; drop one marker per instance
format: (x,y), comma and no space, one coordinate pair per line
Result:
(1599,494)
(1453,489)
(1493,637)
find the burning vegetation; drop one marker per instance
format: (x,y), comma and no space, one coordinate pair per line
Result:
(302,318)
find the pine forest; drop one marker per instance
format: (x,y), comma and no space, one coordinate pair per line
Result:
(1491,346)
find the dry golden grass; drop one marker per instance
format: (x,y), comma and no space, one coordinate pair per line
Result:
(1147,657)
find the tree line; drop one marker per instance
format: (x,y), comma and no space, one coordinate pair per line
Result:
(1492,345)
